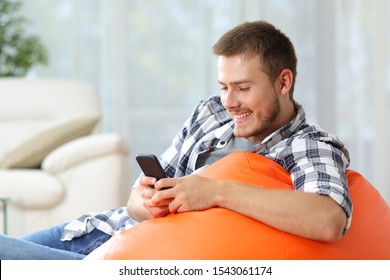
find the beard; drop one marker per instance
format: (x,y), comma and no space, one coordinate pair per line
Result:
(262,126)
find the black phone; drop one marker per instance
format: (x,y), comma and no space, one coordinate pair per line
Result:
(150,166)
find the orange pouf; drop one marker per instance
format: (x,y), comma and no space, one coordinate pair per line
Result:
(223,234)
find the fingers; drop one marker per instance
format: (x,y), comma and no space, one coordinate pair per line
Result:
(157,197)
(147,193)
(153,202)
(166,183)
(168,190)
(174,207)
(162,197)
(147,181)
(157,212)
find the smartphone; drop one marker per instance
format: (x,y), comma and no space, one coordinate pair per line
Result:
(150,166)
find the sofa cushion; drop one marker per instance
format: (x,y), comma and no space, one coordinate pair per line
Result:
(84,149)
(39,115)
(219,233)
(22,152)
(30,188)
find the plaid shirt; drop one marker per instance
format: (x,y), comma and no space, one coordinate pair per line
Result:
(316,160)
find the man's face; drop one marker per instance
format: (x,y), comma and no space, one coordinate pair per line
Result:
(249,96)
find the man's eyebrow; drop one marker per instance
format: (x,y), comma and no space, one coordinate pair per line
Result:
(236,82)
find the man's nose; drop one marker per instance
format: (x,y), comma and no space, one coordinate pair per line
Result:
(229,99)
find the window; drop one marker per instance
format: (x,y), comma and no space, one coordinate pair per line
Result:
(152,62)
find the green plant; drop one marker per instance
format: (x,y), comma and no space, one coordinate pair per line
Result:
(19,52)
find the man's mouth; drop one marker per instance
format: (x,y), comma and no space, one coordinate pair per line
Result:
(242,115)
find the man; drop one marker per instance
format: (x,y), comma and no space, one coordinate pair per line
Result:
(255,112)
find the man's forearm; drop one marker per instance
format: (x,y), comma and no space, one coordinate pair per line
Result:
(305,214)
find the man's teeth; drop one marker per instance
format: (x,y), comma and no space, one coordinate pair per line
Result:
(241,116)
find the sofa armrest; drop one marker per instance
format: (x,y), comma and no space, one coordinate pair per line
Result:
(84,149)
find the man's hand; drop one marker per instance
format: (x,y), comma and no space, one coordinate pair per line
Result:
(184,194)
(139,205)
(160,210)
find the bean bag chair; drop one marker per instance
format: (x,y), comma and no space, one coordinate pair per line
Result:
(222,234)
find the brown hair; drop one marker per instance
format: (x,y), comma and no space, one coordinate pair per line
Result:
(261,38)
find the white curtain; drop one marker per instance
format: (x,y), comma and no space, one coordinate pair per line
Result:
(151,61)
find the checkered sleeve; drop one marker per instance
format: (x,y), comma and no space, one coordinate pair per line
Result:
(108,221)
(318,165)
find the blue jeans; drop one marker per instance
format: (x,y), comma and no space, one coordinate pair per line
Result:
(46,245)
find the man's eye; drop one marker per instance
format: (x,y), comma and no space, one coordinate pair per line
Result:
(243,88)
(223,88)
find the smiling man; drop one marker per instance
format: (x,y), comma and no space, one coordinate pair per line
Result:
(254,112)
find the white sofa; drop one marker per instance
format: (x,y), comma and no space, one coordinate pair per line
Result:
(54,163)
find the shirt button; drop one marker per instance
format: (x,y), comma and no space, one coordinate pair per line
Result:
(221,144)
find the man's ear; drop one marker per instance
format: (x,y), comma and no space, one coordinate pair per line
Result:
(285,81)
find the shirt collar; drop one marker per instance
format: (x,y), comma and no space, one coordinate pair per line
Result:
(285,131)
